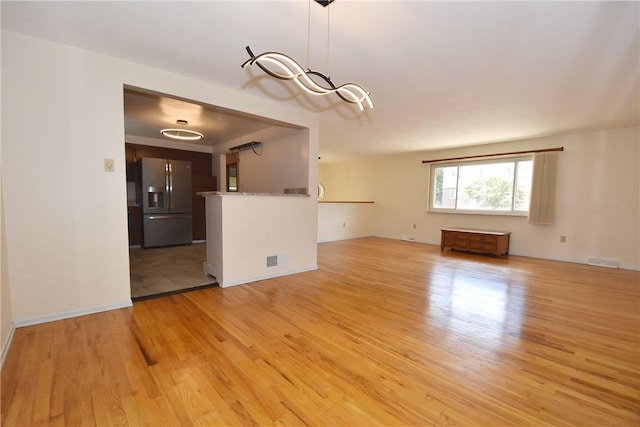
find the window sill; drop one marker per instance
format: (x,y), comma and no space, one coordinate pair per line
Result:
(491,213)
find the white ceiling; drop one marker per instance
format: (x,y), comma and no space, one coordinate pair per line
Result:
(441,74)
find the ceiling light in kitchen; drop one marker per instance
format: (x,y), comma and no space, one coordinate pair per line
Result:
(183,134)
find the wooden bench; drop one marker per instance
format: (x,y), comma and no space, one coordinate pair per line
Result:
(479,241)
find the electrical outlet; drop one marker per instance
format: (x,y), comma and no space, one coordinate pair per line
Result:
(344,225)
(108,165)
(414,226)
(563,239)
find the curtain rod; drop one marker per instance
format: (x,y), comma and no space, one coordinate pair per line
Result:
(495,155)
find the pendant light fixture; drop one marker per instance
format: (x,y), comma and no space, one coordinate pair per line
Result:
(283,67)
(182,134)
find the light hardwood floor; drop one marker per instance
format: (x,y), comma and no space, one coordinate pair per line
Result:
(384,333)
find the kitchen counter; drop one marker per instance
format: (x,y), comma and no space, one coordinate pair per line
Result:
(346,201)
(234,193)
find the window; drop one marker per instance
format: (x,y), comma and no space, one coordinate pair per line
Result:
(501,186)
(232,177)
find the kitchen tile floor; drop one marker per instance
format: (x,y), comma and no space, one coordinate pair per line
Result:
(160,270)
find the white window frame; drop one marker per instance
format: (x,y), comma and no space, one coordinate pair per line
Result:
(461,163)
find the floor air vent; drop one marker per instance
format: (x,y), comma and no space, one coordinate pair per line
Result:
(272,261)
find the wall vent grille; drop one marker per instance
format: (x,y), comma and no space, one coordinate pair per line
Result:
(272,261)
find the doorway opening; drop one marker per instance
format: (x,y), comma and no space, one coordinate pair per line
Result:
(164,269)
(167,226)
(233,172)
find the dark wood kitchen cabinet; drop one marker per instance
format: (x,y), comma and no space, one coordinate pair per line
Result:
(135,225)
(130,159)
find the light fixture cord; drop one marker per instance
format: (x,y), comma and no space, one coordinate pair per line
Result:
(308,30)
(328,38)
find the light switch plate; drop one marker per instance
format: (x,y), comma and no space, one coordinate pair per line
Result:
(108,165)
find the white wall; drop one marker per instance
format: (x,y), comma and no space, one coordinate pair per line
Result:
(597,200)
(249,228)
(282,162)
(349,181)
(342,183)
(6,311)
(65,218)
(66,224)
(341,221)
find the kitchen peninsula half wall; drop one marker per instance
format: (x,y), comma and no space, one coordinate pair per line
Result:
(256,236)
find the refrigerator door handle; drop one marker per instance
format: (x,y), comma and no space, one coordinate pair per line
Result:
(167,185)
(170,180)
(171,216)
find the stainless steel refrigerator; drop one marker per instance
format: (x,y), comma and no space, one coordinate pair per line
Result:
(166,202)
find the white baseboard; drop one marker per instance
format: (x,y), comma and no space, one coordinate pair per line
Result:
(69,314)
(549,258)
(268,276)
(209,269)
(6,344)
(526,255)
(574,261)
